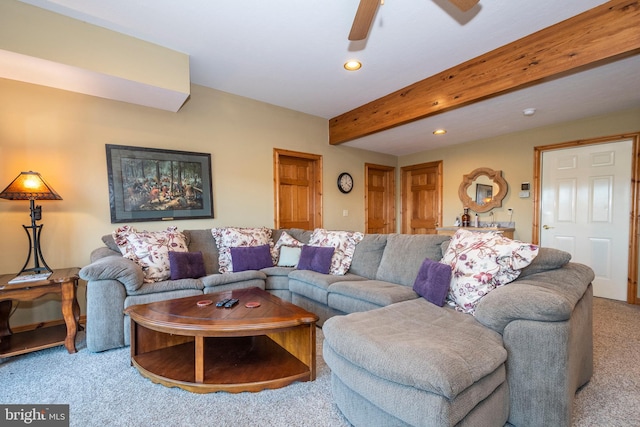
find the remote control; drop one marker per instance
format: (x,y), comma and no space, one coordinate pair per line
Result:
(221,303)
(231,303)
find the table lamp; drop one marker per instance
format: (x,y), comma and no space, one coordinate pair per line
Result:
(31,186)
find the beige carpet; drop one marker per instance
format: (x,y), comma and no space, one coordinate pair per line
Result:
(612,397)
(103,389)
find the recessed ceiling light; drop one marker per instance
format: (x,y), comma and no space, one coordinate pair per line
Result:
(529,111)
(352,65)
(439,131)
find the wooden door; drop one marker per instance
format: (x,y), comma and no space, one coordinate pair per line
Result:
(380,204)
(298,189)
(422,198)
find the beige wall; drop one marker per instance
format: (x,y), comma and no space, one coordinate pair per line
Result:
(62,135)
(513,154)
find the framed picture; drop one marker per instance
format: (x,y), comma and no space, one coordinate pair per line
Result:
(484,194)
(148,184)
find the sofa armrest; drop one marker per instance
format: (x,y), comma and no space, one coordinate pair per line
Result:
(550,296)
(122,269)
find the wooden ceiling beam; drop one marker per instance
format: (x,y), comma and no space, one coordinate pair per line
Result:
(604,32)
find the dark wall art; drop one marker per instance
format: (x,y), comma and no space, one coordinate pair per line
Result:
(148,184)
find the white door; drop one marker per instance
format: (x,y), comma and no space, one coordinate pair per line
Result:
(585,208)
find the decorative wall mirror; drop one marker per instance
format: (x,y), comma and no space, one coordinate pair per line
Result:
(482,190)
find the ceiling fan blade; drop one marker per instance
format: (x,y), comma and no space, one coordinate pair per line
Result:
(464,5)
(363,20)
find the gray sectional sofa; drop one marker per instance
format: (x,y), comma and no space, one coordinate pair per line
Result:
(396,359)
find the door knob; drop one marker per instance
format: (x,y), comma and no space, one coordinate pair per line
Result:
(546,227)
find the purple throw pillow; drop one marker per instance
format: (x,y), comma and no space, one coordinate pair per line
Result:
(433,281)
(315,258)
(186,265)
(251,258)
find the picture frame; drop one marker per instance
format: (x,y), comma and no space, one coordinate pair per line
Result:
(484,194)
(150,184)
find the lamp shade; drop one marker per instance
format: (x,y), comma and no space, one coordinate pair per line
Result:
(29,186)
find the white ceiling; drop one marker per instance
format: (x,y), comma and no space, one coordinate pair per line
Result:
(290,53)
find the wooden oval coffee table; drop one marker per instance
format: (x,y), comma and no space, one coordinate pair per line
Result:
(204,349)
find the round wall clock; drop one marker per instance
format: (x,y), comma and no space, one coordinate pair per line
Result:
(345,182)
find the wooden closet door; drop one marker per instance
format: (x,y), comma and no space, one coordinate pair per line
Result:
(422,198)
(298,190)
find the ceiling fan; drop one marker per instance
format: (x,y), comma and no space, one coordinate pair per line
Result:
(367,10)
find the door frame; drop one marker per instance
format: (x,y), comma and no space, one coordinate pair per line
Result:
(390,194)
(634,219)
(317,179)
(404,182)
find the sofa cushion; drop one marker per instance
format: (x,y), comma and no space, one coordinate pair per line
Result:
(417,344)
(481,262)
(367,255)
(315,258)
(217,279)
(203,241)
(110,242)
(344,243)
(165,286)
(186,265)
(547,259)
(433,281)
(228,237)
(297,233)
(315,286)
(251,257)
(150,249)
(351,296)
(403,256)
(289,256)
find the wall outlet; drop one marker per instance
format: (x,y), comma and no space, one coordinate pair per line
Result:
(345,212)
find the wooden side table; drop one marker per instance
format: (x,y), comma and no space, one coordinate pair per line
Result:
(63,282)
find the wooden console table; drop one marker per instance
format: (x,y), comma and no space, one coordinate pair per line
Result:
(450,231)
(63,282)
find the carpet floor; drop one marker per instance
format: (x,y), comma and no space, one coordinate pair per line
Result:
(104,389)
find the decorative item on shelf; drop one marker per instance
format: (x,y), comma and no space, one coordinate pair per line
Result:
(345,182)
(31,186)
(482,190)
(466,219)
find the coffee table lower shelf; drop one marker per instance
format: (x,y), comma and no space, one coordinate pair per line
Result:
(231,364)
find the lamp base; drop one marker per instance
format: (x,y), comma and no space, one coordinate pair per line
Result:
(34,249)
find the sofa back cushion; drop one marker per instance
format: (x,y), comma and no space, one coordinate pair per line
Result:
(367,255)
(203,241)
(404,253)
(547,259)
(297,233)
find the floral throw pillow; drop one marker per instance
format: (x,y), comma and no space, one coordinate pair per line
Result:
(234,237)
(481,262)
(344,243)
(150,249)
(285,239)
